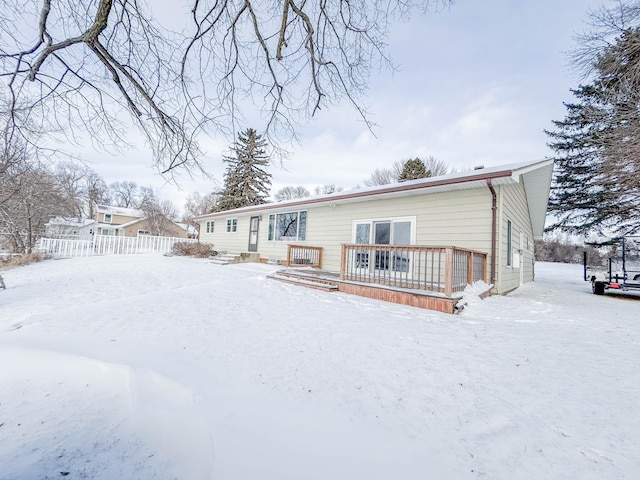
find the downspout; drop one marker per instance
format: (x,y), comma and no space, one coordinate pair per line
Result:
(494,230)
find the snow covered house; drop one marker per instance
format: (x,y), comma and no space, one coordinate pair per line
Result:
(418,242)
(71,228)
(130,222)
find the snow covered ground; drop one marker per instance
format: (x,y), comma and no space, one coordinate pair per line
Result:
(151,367)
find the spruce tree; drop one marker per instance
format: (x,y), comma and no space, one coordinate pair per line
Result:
(246,181)
(413,169)
(596,188)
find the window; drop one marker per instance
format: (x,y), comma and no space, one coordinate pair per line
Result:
(107,218)
(288,227)
(396,231)
(144,232)
(509,244)
(108,231)
(232,225)
(209,226)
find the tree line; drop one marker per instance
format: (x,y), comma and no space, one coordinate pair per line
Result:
(33,191)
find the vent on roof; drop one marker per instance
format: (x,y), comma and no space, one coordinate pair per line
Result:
(479,167)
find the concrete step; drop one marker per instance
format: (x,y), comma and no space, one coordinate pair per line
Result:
(318,284)
(225,259)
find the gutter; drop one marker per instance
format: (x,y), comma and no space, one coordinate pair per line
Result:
(494,230)
(336,197)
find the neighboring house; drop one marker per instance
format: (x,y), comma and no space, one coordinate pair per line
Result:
(403,234)
(129,222)
(63,227)
(192,230)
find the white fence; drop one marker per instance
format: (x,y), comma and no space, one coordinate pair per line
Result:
(109,245)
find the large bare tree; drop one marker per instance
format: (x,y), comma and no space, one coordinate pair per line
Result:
(77,66)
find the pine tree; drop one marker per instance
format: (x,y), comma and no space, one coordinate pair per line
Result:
(413,169)
(246,181)
(596,188)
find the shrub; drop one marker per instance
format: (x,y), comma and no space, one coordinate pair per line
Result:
(11,261)
(200,250)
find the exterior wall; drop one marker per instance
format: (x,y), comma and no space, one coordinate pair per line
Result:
(460,218)
(116,219)
(169,229)
(513,206)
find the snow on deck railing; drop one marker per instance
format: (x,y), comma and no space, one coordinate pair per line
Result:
(109,245)
(437,269)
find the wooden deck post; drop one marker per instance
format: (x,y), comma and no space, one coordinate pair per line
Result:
(343,251)
(448,272)
(470,258)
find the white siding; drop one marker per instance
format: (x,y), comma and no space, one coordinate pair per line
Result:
(461,218)
(513,206)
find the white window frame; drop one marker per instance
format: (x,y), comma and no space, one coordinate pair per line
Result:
(232,225)
(109,219)
(392,220)
(108,231)
(209,225)
(272,226)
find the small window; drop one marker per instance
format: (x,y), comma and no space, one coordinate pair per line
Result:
(209,226)
(108,231)
(107,218)
(232,225)
(144,232)
(509,244)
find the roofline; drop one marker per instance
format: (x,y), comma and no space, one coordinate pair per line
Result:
(392,188)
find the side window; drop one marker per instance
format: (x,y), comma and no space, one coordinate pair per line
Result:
(509,244)
(209,226)
(232,225)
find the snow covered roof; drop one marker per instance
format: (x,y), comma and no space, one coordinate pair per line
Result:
(70,222)
(128,212)
(536,176)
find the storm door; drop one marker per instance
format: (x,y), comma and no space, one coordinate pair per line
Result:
(254,225)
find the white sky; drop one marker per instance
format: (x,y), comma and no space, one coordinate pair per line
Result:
(476,85)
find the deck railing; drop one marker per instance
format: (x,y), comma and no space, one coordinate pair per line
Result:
(437,269)
(304,256)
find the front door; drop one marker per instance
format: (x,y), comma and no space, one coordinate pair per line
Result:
(254,224)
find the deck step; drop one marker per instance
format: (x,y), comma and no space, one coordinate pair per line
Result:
(318,284)
(311,277)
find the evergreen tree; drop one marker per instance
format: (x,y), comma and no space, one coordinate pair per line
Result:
(413,169)
(246,181)
(597,180)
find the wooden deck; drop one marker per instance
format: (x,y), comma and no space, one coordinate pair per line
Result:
(331,282)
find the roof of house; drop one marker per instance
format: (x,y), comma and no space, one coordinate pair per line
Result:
(536,176)
(70,222)
(127,212)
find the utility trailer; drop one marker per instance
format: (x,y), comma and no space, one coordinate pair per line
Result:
(623,271)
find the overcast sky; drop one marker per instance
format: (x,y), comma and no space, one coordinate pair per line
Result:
(476,85)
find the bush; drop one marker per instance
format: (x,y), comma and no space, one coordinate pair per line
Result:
(200,250)
(11,261)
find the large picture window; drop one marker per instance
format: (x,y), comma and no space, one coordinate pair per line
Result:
(288,227)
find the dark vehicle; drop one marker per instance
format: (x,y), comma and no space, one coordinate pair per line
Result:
(623,272)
